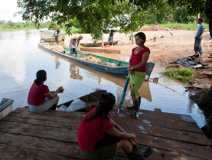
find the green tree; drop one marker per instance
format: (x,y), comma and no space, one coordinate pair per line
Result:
(193,7)
(94,16)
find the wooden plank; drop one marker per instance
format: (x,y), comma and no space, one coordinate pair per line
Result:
(41,144)
(159,154)
(144,126)
(157,119)
(175,146)
(25,112)
(19,153)
(58,122)
(61,134)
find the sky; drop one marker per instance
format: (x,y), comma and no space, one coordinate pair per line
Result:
(7,9)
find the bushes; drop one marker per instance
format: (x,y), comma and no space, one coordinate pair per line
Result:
(183,74)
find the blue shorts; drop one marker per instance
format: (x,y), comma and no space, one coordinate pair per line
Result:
(56,39)
(197,45)
(110,39)
(72,50)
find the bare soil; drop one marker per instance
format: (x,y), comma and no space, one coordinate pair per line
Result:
(171,45)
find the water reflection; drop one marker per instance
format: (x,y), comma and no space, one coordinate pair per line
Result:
(57,62)
(74,70)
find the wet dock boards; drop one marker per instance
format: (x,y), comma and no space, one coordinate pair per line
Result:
(53,135)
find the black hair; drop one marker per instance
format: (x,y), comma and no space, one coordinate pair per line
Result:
(106,103)
(141,35)
(40,76)
(200,19)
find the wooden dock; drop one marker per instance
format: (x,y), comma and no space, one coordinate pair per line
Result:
(52,135)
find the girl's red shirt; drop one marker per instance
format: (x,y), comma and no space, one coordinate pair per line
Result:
(137,58)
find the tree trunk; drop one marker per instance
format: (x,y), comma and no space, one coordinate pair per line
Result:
(208,12)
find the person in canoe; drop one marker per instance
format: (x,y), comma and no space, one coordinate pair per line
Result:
(74,45)
(40,98)
(99,137)
(137,70)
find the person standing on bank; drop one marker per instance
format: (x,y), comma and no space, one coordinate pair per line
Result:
(99,137)
(56,35)
(40,98)
(198,38)
(74,45)
(111,33)
(137,70)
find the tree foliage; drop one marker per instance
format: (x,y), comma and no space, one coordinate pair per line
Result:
(97,16)
(94,16)
(193,7)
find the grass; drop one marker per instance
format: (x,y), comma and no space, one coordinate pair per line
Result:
(182,74)
(181,26)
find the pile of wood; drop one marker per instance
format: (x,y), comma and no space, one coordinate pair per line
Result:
(91,59)
(97,60)
(57,48)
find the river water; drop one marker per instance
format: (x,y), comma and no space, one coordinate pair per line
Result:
(20,59)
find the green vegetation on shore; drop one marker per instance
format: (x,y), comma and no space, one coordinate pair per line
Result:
(10,26)
(180,26)
(26,26)
(182,74)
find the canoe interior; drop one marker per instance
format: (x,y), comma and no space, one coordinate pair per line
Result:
(90,99)
(104,59)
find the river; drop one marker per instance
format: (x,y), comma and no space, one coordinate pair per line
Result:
(20,59)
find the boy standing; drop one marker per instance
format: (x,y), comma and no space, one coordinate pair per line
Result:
(198,38)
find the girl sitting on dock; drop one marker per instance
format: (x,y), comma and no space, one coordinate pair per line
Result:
(40,98)
(99,137)
(137,70)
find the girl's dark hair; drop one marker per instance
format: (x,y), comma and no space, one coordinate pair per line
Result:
(141,35)
(106,103)
(40,76)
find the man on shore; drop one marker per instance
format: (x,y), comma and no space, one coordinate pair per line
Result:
(74,45)
(198,38)
(111,33)
(56,35)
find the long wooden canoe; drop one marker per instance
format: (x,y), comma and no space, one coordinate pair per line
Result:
(120,69)
(89,101)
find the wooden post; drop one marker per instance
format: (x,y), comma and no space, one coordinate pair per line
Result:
(132,38)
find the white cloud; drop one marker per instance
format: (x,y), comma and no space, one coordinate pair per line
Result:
(8,9)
